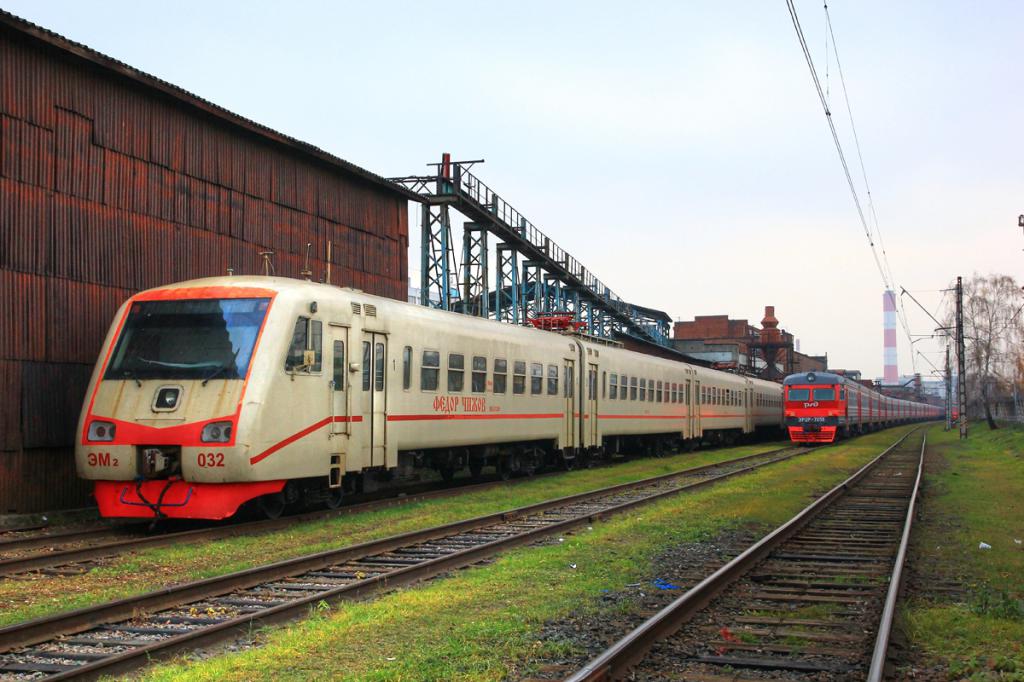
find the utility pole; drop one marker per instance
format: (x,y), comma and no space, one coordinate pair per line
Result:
(949,392)
(961,381)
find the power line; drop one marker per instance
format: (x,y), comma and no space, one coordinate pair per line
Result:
(901,310)
(886,276)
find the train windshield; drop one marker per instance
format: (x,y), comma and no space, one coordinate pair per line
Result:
(824,394)
(799,394)
(188,339)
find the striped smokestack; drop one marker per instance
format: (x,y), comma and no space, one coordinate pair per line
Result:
(890,375)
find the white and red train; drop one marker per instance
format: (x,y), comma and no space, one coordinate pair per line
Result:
(213,393)
(821,406)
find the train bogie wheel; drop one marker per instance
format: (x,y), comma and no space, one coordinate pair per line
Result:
(334,498)
(476,467)
(272,506)
(447,473)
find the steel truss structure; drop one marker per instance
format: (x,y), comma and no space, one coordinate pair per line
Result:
(532,274)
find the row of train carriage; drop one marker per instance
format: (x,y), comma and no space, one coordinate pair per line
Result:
(821,407)
(212,393)
(285,389)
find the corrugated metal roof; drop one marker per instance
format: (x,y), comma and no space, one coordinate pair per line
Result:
(110,64)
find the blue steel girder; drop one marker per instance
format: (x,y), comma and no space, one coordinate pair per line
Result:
(532,294)
(474,270)
(506,285)
(439,275)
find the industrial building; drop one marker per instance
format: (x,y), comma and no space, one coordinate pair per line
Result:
(113,181)
(725,343)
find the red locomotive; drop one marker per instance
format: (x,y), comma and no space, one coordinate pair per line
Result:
(821,406)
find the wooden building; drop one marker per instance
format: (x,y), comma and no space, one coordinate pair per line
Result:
(113,181)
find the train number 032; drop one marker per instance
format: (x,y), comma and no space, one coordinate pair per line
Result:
(211,459)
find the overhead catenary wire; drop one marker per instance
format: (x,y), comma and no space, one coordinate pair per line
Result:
(887,280)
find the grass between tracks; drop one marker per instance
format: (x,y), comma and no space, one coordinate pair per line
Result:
(975,494)
(24,598)
(482,623)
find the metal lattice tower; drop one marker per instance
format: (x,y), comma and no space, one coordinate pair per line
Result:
(532,275)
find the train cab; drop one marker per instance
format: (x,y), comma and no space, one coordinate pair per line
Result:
(814,404)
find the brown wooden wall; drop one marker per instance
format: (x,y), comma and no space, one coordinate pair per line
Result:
(108,187)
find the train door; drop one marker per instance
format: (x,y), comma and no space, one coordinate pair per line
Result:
(590,416)
(695,411)
(340,390)
(689,410)
(372,397)
(748,409)
(569,392)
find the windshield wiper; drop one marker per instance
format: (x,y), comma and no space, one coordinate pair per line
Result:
(130,374)
(221,368)
(179,365)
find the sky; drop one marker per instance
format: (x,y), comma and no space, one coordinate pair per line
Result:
(677,149)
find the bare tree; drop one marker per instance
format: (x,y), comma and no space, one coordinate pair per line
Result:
(993,332)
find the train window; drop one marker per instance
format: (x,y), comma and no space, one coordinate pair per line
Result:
(552,379)
(592,385)
(378,367)
(317,337)
(430,368)
(800,394)
(295,360)
(687,396)
(604,384)
(536,378)
(500,374)
(367,361)
(650,392)
(824,394)
(614,388)
(659,389)
(519,377)
(842,394)
(479,378)
(407,367)
(632,388)
(339,366)
(643,389)
(456,371)
(569,383)
(624,387)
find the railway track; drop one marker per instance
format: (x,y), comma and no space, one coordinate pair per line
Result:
(126,634)
(814,597)
(75,551)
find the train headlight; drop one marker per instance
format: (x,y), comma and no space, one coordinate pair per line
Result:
(101,431)
(216,432)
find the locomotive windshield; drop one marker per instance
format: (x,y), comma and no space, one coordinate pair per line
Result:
(799,394)
(824,394)
(188,339)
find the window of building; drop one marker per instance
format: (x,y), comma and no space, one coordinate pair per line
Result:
(479,378)
(456,371)
(430,369)
(552,379)
(536,378)
(519,377)
(500,375)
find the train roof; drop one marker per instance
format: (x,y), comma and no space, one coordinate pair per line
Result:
(815,378)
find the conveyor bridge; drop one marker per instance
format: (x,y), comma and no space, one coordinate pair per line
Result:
(531,273)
